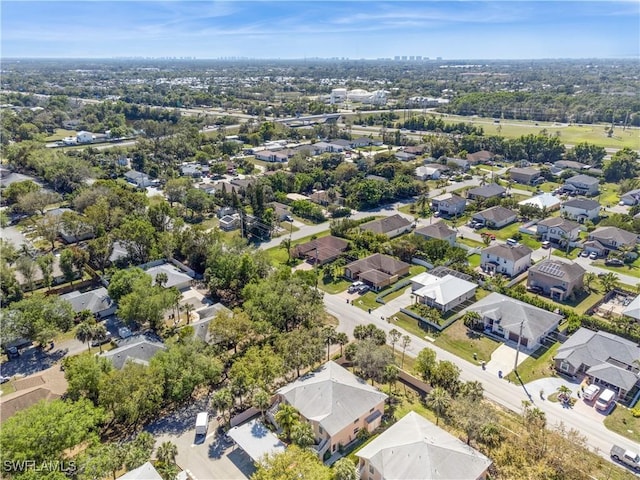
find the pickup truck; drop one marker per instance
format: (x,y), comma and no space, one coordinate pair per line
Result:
(629,458)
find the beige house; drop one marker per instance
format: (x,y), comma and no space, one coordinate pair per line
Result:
(335,402)
(439,231)
(414,448)
(558,230)
(556,278)
(377,270)
(505,259)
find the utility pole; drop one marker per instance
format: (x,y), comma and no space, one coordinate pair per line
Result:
(515,365)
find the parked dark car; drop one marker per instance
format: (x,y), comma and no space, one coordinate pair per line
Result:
(614,262)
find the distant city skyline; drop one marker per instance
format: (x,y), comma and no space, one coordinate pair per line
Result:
(505,29)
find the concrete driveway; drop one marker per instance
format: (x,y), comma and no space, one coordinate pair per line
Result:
(208,458)
(503,359)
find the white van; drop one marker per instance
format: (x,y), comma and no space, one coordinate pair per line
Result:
(511,242)
(606,398)
(591,392)
(202,423)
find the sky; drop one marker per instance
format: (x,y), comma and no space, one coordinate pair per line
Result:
(503,29)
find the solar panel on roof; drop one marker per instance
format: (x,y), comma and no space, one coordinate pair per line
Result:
(552,269)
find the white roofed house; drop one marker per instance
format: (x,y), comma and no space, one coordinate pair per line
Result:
(506,259)
(426,172)
(443,293)
(543,201)
(414,448)
(175,277)
(580,209)
(507,317)
(335,402)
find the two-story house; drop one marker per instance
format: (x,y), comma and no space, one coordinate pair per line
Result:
(558,230)
(509,260)
(526,175)
(606,239)
(556,278)
(580,209)
(335,402)
(448,204)
(582,185)
(632,197)
(439,230)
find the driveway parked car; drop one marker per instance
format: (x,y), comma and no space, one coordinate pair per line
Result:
(593,255)
(584,253)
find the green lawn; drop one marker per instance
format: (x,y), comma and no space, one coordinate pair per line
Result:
(631,269)
(410,325)
(549,186)
(461,341)
(609,194)
(396,294)
(278,255)
(572,255)
(328,286)
(474,260)
(510,230)
(538,365)
(622,422)
(416,269)
(470,243)
(7,388)
(59,134)
(367,301)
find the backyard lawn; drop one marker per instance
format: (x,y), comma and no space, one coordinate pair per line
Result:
(622,422)
(510,230)
(59,134)
(278,255)
(461,341)
(474,260)
(470,243)
(538,365)
(609,194)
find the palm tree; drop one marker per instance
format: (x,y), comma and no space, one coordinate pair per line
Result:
(490,434)
(342,339)
(161,279)
(438,400)
(302,434)
(609,281)
(345,469)
(473,390)
(472,319)
(167,452)
(423,202)
(188,308)
(222,400)
(286,417)
(85,332)
(328,333)
(389,375)
(261,401)
(99,334)
(394,337)
(406,341)
(589,278)
(286,244)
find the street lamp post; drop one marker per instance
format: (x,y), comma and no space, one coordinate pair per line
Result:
(515,365)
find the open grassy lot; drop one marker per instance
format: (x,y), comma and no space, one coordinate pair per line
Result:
(59,134)
(609,194)
(622,422)
(461,341)
(569,134)
(510,230)
(410,325)
(631,269)
(470,243)
(538,365)
(327,285)
(474,260)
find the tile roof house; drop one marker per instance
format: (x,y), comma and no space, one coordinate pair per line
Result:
(415,448)
(581,185)
(438,231)
(607,359)
(96,301)
(443,293)
(390,226)
(526,175)
(335,402)
(138,349)
(557,278)
(505,259)
(489,190)
(558,230)
(377,270)
(612,238)
(580,209)
(448,204)
(322,249)
(496,217)
(506,316)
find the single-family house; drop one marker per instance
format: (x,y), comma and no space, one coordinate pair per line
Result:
(281,211)
(514,320)
(605,358)
(558,230)
(71,229)
(581,185)
(526,175)
(632,197)
(439,231)
(415,448)
(390,226)
(327,197)
(495,217)
(144,472)
(543,201)
(138,348)
(487,191)
(448,204)
(84,137)
(175,277)
(97,301)
(571,165)
(194,170)
(483,156)
(580,209)
(335,402)
(377,270)
(229,222)
(319,148)
(57,275)
(460,163)
(139,179)
(364,142)
(511,260)
(205,315)
(633,309)
(404,156)
(444,293)
(321,250)
(416,149)
(557,278)
(612,238)
(279,156)
(428,173)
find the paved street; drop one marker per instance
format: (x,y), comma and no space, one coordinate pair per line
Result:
(496,389)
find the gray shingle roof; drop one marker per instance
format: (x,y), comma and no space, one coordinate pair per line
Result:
(415,448)
(582,203)
(567,271)
(559,222)
(586,179)
(496,214)
(510,312)
(487,191)
(609,234)
(332,396)
(439,230)
(387,224)
(95,301)
(136,349)
(614,375)
(508,252)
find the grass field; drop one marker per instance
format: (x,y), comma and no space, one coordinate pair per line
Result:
(569,134)
(59,134)
(470,243)
(474,260)
(461,341)
(410,325)
(537,365)
(609,194)
(622,422)
(278,255)
(332,288)
(510,230)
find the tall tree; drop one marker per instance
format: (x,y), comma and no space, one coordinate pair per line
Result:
(302,434)
(439,401)
(286,417)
